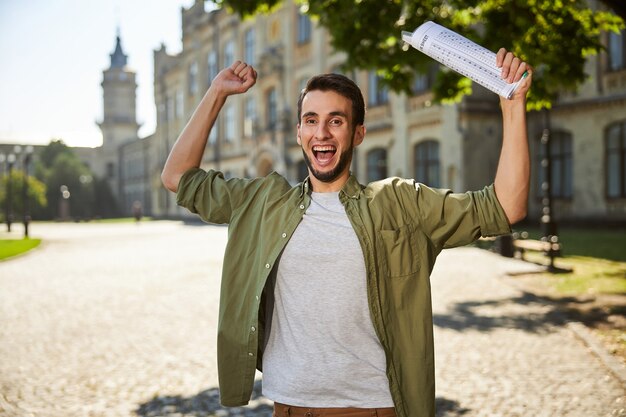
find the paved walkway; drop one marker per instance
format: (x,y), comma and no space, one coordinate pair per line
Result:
(119,320)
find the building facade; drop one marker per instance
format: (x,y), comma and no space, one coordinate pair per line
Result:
(452,146)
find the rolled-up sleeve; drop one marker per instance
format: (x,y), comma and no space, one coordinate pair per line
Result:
(456,219)
(493,220)
(206,194)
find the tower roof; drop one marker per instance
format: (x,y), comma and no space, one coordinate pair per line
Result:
(118,57)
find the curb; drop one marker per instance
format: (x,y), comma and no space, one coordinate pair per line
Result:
(616,368)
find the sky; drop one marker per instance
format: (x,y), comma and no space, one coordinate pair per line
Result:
(53,52)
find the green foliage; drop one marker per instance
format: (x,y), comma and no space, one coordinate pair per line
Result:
(36,194)
(553,36)
(58,165)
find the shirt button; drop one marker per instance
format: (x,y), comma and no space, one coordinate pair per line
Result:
(267,266)
(253,328)
(250,354)
(284,235)
(257,297)
(301,206)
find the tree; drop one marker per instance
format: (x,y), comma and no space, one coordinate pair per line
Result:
(69,171)
(57,165)
(554,36)
(36,191)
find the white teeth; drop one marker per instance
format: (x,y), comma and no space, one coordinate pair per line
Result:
(323,148)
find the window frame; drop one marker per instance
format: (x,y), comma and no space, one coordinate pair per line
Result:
(380,168)
(427,146)
(563,157)
(609,48)
(304,31)
(621,150)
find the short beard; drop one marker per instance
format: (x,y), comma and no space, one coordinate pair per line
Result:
(344,161)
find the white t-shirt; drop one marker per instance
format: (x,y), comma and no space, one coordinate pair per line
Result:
(322,350)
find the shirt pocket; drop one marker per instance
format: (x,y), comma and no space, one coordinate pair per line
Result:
(400,251)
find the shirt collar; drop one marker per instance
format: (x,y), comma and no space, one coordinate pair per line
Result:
(305,187)
(351,188)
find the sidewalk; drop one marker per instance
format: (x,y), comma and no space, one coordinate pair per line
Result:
(120,320)
(503,352)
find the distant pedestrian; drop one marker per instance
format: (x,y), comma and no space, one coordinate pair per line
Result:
(325,285)
(137,210)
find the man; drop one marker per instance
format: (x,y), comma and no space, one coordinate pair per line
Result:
(325,285)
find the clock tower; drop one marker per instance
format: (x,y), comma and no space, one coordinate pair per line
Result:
(119,119)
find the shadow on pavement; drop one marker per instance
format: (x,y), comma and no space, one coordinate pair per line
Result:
(512,313)
(205,404)
(449,408)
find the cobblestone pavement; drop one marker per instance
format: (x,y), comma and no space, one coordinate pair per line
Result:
(119,320)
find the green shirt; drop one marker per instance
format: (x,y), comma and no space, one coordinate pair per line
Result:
(401,225)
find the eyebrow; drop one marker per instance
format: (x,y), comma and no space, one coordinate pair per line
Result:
(332,113)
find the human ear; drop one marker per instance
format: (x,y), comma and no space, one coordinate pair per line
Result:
(359,135)
(298,135)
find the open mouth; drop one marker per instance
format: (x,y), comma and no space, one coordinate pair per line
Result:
(324,153)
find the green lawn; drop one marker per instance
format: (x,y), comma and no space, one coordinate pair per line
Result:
(597,257)
(120,220)
(12,247)
(596,243)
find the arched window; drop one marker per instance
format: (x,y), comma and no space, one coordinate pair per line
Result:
(376,164)
(561,181)
(615,154)
(426,163)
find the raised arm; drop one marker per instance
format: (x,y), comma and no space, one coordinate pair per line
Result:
(189,147)
(513,174)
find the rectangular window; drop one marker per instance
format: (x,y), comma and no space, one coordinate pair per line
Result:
(304,29)
(169,108)
(376,164)
(212,66)
(615,145)
(617,51)
(250,117)
(426,162)
(213,133)
(229,123)
(272,109)
(561,166)
(249,50)
(229,53)
(180,104)
(377,93)
(193,78)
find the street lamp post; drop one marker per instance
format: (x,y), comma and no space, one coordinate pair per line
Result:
(9,203)
(25,200)
(3,160)
(548,224)
(64,203)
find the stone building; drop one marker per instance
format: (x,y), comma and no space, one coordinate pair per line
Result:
(454,146)
(119,121)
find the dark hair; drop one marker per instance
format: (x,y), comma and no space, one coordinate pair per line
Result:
(341,85)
